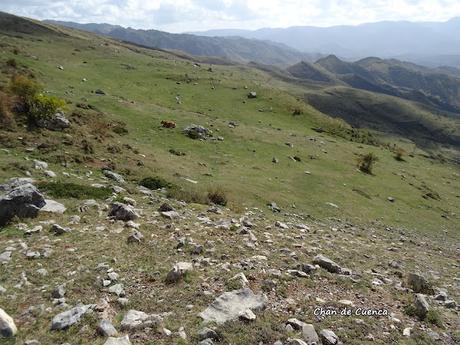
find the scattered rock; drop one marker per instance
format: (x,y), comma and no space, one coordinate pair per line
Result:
(208,333)
(197,132)
(70,317)
(421,306)
(247,315)
(327,264)
(106,329)
(229,305)
(113,176)
(178,272)
(123,212)
(135,237)
(56,122)
(52,206)
(136,320)
(170,215)
(252,95)
(328,337)
(23,201)
(59,230)
(118,341)
(309,334)
(7,325)
(58,292)
(419,284)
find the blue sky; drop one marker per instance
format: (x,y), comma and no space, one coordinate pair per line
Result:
(196,15)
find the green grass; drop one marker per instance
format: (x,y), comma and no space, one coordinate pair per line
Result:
(142,97)
(63,190)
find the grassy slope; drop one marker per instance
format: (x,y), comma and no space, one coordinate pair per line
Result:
(242,163)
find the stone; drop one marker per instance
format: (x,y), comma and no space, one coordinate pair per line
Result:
(70,317)
(135,237)
(247,315)
(229,305)
(178,272)
(421,306)
(113,176)
(197,132)
(407,331)
(295,324)
(309,334)
(328,337)
(170,215)
(32,342)
(208,333)
(5,257)
(52,206)
(23,201)
(240,279)
(274,207)
(136,320)
(58,292)
(106,329)
(450,304)
(50,173)
(123,212)
(118,341)
(419,284)
(7,325)
(252,94)
(296,342)
(56,122)
(117,289)
(59,230)
(327,264)
(307,268)
(40,165)
(281,225)
(165,207)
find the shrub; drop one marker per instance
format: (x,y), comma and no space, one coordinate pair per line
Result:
(12,63)
(44,106)
(366,162)
(217,196)
(155,183)
(61,190)
(399,154)
(24,88)
(434,318)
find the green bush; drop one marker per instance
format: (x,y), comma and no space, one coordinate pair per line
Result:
(155,183)
(366,162)
(44,106)
(61,190)
(189,195)
(434,318)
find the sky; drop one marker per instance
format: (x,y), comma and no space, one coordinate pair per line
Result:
(200,15)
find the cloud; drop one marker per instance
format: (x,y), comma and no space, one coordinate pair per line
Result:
(190,15)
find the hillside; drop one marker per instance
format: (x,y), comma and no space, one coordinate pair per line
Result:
(232,48)
(430,43)
(152,198)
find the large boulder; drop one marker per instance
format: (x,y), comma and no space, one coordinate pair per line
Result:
(197,132)
(7,326)
(52,206)
(56,122)
(421,306)
(309,334)
(230,305)
(419,284)
(113,176)
(328,337)
(70,317)
(327,264)
(19,199)
(123,212)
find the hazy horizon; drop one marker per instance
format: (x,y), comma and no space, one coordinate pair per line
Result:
(203,15)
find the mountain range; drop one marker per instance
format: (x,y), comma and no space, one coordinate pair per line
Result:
(428,43)
(236,49)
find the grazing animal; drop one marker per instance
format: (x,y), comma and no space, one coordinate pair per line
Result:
(168,124)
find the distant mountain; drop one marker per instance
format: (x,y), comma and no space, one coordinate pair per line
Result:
(233,48)
(429,43)
(438,88)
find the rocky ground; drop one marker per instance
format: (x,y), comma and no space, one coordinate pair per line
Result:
(139,268)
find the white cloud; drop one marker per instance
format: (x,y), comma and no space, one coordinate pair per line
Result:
(190,15)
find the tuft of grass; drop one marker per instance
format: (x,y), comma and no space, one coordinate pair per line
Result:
(366,162)
(217,196)
(189,195)
(6,116)
(12,63)
(434,318)
(61,190)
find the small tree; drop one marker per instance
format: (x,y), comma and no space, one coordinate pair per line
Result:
(366,162)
